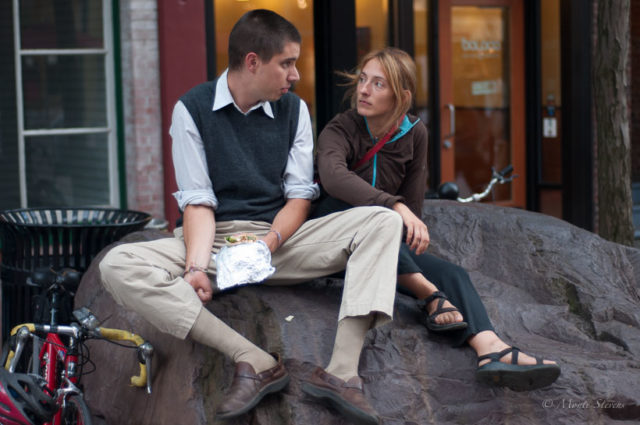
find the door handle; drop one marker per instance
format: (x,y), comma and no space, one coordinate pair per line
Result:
(452,126)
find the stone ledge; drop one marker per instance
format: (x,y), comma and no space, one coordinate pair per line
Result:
(550,288)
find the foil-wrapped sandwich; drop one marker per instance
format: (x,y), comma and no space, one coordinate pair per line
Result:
(244,260)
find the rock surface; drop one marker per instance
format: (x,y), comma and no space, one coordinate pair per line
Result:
(550,288)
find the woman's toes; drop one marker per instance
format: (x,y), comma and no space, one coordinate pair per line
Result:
(447,317)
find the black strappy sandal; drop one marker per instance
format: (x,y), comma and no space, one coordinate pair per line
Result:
(514,376)
(431,324)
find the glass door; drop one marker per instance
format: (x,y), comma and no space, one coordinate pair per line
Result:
(482,95)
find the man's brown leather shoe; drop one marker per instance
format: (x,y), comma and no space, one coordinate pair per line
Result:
(248,388)
(347,397)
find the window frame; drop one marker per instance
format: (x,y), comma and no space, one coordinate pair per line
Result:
(111,130)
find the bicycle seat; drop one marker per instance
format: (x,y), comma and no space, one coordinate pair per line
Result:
(67,278)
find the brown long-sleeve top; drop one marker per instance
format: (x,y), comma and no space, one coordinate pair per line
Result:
(397,173)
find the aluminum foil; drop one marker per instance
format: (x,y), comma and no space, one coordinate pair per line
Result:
(242,264)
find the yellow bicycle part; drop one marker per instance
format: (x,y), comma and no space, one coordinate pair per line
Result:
(122,335)
(31,327)
(106,333)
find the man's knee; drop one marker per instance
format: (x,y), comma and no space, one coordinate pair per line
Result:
(115,258)
(387,219)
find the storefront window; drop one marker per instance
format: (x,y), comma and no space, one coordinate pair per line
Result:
(371,25)
(481,93)
(9,158)
(298,12)
(60,135)
(421,56)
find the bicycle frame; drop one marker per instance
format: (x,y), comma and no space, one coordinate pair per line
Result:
(53,349)
(56,350)
(52,354)
(449,190)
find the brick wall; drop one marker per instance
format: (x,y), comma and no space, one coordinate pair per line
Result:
(141,99)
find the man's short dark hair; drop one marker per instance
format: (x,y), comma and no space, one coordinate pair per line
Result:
(260,31)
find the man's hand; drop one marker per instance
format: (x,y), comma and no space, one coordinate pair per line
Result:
(201,284)
(286,222)
(417,232)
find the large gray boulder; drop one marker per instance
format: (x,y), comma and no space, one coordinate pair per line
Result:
(550,288)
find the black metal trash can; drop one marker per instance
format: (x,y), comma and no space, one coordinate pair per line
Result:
(57,238)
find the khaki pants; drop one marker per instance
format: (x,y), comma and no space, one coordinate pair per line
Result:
(147,277)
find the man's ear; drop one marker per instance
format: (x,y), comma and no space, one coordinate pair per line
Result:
(251,61)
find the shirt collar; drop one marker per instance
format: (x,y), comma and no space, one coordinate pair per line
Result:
(223,97)
(403,129)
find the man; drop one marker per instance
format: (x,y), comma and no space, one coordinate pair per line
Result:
(243,156)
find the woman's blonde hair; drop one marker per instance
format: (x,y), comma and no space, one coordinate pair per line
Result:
(400,72)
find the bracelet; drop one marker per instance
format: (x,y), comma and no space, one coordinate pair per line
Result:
(278,235)
(193,269)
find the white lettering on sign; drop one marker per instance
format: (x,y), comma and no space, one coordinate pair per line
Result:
(549,127)
(479,88)
(480,49)
(488,46)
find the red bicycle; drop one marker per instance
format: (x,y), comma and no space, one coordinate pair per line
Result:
(59,355)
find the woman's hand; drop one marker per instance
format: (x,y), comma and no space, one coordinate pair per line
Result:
(201,284)
(417,232)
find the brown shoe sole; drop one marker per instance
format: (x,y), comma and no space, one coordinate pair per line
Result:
(356,415)
(273,387)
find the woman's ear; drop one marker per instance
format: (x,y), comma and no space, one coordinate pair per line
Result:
(407,98)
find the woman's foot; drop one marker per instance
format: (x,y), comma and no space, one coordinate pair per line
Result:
(502,365)
(443,316)
(496,346)
(514,374)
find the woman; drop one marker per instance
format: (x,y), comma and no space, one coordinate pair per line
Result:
(395,176)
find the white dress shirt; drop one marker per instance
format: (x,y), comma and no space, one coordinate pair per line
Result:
(190,162)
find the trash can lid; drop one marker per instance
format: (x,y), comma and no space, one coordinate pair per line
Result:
(73,217)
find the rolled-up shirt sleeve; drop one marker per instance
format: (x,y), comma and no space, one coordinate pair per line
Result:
(189,161)
(298,174)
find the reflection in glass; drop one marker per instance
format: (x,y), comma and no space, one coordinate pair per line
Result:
(481,96)
(61,24)
(550,201)
(70,171)
(371,25)
(299,13)
(63,91)
(421,56)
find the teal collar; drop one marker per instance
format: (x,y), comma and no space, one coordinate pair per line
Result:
(404,128)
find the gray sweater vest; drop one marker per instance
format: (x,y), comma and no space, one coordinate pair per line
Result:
(246,155)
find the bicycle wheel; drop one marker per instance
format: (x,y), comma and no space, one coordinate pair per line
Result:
(76,412)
